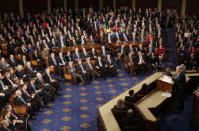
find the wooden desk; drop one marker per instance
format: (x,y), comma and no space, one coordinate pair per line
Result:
(164,86)
(118,44)
(106,117)
(195,110)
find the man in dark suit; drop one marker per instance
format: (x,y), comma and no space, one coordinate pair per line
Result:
(131,98)
(53,44)
(100,66)
(41,84)
(71,70)
(130,120)
(85,54)
(61,59)
(19,101)
(7,81)
(110,66)
(5,89)
(53,63)
(33,89)
(35,101)
(5,125)
(29,70)
(179,86)
(90,68)
(141,62)
(48,79)
(93,54)
(12,62)
(61,43)
(103,52)
(69,57)
(77,55)
(82,71)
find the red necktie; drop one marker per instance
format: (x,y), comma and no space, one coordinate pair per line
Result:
(50,77)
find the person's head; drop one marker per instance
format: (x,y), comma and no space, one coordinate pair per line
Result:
(70,63)
(178,69)
(131,92)
(7,74)
(39,75)
(47,70)
(52,55)
(18,93)
(108,56)
(4,123)
(183,67)
(103,47)
(28,63)
(167,69)
(60,53)
(2,59)
(19,67)
(84,49)
(144,87)
(24,86)
(99,57)
(68,53)
(8,107)
(76,49)
(120,103)
(11,56)
(130,113)
(79,62)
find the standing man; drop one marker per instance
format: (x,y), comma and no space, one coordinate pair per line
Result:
(179,85)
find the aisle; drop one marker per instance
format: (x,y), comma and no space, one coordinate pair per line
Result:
(76,109)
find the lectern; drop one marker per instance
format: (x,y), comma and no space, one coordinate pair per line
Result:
(165,83)
(195,109)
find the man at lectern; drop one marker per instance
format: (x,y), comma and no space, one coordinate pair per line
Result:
(179,85)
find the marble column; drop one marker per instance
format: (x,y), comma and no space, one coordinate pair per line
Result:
(76,4)
(65,4)
(133,4)
(49,6)
(21,12)
(183,8)
(160,5)
(100,4)
(114,3)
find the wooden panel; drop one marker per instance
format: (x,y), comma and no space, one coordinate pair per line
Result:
(9,6)
(70,4)
(172,4)
(35,5)
(144,4)
(57,3)
(192,7)
(108,3)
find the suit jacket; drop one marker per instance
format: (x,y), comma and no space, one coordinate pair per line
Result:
(79,69)
(75,57)
(30,71)
(21,52)
(87,67)
(92,54)
(69,58)
(59,44)
(18,101)
(60,61)
(97,63)
(102,54)
(180,83)
(71,69)
(30,88)
(35,57)
(13,63)
(108,63)
(7,82)
(54,45)
(25,96)
(84,56)
(46,78)
(51,62)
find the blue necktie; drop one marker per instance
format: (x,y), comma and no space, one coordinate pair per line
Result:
(100,63)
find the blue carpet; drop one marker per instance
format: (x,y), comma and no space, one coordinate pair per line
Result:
(76,109)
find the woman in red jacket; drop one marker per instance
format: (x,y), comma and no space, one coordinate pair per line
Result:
(160,53)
